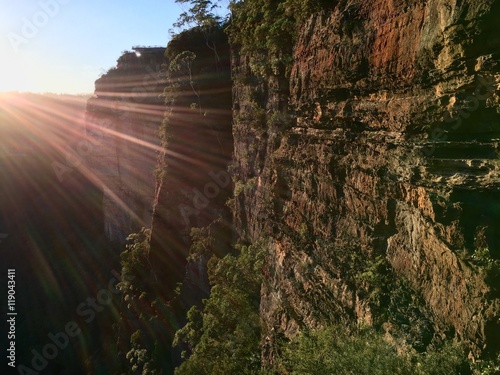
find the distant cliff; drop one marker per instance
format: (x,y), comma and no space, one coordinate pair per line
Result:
(160,129)
(122,123)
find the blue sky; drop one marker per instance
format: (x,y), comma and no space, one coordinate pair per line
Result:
(63,46)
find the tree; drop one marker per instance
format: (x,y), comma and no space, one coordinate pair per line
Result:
(202,15)
(224,337)
(183,64)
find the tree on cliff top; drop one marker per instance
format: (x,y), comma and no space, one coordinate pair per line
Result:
(202,15)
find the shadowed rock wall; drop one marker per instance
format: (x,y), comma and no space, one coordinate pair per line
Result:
(123,145)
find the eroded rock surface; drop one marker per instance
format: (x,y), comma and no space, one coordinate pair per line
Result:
(379,153)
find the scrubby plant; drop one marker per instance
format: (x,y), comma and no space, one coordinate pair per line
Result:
(362,350)
(224,337)
(267,30)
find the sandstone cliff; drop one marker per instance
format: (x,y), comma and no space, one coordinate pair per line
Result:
(194,184)
(372,171)
(365,163)
(122,127)
(164,167)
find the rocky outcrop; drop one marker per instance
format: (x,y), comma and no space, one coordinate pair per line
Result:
(160,140)
(193,185)
(122,124)
(374,172)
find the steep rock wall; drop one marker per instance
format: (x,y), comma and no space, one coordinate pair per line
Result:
(123,145)
(194,184)
(386,157)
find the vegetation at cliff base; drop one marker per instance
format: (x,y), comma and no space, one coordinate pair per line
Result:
(224,337)
(337,350)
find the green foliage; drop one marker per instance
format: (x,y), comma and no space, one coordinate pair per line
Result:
(191,333)
(254,116)
(304,232)
(200,14)
(251,183)
(405,309)
(224,337)
(192,72)
(140,359)
(338,350)
(240,186)
(488,367)
(179,74)
(488,265)
(374,274)
(135,266)
(278,120)
(138,349)
(202,241)
(267,30)
(482,257)
(183,63)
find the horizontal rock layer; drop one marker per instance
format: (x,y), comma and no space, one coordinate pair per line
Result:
(387,153)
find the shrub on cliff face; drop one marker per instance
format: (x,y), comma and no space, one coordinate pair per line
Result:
(140,329)
(224,337)
(267,30)
(335,350)
(271,25)
(136,270)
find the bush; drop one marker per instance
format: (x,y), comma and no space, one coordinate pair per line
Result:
(338,350)
(224,337)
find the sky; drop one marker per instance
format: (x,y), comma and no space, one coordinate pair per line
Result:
(63,46)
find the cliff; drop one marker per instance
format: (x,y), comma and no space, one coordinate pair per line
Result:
(166,266)
(158,143)
(371,169)
(194,184)
(364,166)
(122,122)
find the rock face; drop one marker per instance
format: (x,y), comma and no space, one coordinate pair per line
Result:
(379,153)
(160,149)
(122,127)
(194,184)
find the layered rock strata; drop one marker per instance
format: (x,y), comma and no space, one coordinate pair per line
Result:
(378,156)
